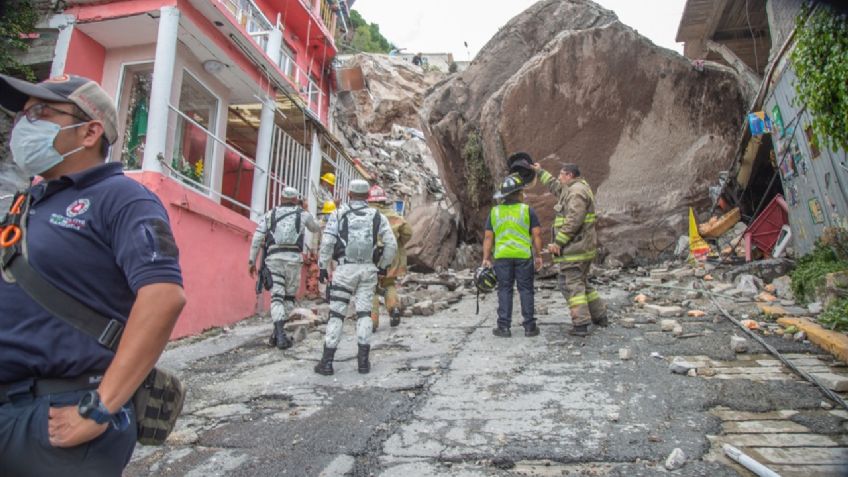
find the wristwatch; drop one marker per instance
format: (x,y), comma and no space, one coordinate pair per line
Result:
(91,407)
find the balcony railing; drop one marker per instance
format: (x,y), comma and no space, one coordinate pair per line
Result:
(251,18)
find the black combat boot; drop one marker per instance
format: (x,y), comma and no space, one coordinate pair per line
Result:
(581,331)
(531,331)
(395,317)
(280,339)
(325,366)
(502,332)
(362,359)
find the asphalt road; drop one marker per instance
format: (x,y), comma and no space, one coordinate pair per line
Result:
(446,397)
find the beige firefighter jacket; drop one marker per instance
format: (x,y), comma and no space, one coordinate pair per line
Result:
(574,224)
(402,232)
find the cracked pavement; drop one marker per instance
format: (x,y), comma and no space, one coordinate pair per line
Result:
(446,397)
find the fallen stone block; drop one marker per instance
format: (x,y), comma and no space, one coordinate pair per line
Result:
(748,284)
(677,331)
(738,344)
(668,325)
(832,381)
(625,354)
(664,311)
(783,287)
(675,460)
(680,366)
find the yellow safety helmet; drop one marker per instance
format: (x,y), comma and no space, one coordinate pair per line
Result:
(329,178)
(329,207)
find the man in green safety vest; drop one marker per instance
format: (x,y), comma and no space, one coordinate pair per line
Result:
(575,245)
(514,231)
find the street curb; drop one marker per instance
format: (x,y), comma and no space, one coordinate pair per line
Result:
(831,341)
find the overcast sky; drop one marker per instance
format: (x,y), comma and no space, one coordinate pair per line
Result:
(436,26)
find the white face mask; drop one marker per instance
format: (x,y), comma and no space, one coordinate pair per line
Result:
(32,145)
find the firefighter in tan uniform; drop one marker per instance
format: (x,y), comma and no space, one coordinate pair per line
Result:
(387,285)
(575,245)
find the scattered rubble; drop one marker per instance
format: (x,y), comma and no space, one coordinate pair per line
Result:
(675,460)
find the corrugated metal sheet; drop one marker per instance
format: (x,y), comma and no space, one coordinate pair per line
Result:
(815,180)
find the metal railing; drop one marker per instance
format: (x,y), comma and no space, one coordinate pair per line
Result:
(290,166)
(206,189)
(251,18)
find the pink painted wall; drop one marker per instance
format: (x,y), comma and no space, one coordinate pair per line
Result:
(214,244)
(85,57)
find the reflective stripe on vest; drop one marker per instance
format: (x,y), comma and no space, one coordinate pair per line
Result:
(511,226)
(559,221)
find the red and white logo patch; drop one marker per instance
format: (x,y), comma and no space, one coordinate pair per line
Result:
(78,207)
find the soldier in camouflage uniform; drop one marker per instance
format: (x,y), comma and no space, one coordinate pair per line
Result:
(284,257)
(574,245)
(351,238)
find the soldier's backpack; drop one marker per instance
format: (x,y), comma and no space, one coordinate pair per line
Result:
(285,230)
(358,232)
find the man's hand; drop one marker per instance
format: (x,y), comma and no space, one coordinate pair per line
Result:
(554,249)
(538,262)
(323,275)
(536,166)
(66,428)
(251,269)
(486,263)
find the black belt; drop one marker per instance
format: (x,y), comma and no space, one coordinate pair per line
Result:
(37,387)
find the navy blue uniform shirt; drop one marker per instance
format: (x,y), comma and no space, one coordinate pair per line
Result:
(99,236)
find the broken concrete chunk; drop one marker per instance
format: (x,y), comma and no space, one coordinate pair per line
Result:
(783,287)
(668,325)
(675,460)
(692,373)
(625,354)
(738,344)
(677,330)
(748,284)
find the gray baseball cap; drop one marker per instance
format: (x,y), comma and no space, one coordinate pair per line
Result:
(93,100)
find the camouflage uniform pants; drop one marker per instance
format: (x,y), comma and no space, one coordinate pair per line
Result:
(584,301)
(351,282)
(285,268)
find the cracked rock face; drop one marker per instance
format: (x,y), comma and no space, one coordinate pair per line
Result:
(567,78)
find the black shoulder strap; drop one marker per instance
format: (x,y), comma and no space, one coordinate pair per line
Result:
(105,330)
(375,227)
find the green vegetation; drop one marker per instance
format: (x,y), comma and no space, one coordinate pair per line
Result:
(811,271)
(476,173)
(836,315)
(366,37)
(17,18)
(820,59)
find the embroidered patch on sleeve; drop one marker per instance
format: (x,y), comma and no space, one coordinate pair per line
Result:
(160,239)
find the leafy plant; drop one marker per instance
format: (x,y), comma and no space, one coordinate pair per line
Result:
(836,315)
(366,37)
(820,59)
(476,173)
(17,19)
(811,269)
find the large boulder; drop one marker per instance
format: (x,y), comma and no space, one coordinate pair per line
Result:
(567,78)
(434,237)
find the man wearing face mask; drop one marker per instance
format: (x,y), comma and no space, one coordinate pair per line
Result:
(102,239)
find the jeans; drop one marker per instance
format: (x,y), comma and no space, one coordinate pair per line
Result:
(515,271)
(25,448)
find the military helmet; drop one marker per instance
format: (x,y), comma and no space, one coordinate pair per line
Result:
(485,279)
(359,186)
(511,184)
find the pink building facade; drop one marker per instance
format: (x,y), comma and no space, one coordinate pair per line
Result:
(221,103)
